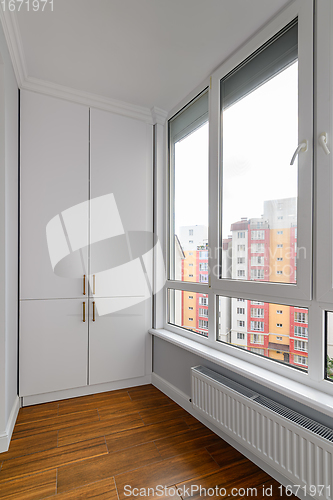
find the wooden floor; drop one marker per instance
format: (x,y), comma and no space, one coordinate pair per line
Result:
(104,445)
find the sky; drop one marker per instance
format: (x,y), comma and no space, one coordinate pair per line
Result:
(260,135)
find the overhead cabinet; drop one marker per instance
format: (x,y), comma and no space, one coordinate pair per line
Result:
(85,245)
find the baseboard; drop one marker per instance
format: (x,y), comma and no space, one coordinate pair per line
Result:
(184,401)
(84,391)
(6,436)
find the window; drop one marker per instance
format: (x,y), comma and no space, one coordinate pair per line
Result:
(257,235)
(257,312)
(300,331)
(203,312)
(300,345)
(203,324)
(257,326)
(301,317)
(188,142)
(257,339)
(183,311)
(257,248)
(190,275)
(203,301)
(302,360)
(246,93)
(257,260)
(260,209)
(257,274)
(191,265)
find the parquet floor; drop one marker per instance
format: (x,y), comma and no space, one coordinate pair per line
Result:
(105,445)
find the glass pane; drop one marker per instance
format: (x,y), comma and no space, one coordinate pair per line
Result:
(275,331)
(189,310)
(329,346)
(189,199)
(259,190)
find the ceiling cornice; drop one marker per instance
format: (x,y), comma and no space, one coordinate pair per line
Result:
(15,47)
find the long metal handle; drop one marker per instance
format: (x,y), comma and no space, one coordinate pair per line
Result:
(84,312)
(84,284)
(94,284)
(94,311)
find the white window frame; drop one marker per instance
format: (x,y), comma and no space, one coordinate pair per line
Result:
(302,290)
(299,295)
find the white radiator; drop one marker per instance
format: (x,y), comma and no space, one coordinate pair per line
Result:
(294,445)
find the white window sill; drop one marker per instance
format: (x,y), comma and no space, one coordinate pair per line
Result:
(306,395)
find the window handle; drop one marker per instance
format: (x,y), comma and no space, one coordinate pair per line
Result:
(303,146)
(323,143)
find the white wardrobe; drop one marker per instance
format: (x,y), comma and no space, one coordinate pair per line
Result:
(85,247)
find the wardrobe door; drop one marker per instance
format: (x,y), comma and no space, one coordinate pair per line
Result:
(53,345)
(120,245)
(117,332)
(54,197)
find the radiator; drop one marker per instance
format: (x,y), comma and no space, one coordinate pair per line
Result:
(292,444)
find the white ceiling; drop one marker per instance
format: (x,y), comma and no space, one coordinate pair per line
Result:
(144,52)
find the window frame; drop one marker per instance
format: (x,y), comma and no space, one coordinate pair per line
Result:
(303,289)
(299,295)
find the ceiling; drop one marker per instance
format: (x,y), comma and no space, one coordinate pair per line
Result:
(144,52)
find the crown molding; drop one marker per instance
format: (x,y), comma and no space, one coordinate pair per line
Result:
(159,115)
(15,48)
(88,99)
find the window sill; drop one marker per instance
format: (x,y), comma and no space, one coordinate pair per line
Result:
(304,394)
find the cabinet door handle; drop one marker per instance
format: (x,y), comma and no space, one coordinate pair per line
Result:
(84,284)
(94,284)
(84,312)
(94,311)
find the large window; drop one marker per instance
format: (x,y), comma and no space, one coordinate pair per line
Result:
(267,195)
(188,187)
(260,274)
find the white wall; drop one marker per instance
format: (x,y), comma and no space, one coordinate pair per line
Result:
(8,244)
